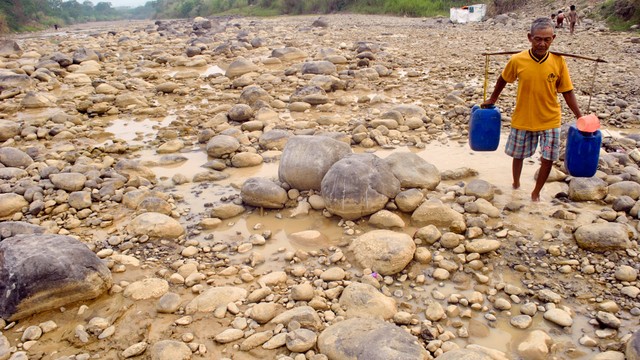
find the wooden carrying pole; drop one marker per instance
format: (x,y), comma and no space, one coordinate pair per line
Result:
(598,60)
(553,52)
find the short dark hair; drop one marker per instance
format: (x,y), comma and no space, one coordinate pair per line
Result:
(572,7)
(541,23)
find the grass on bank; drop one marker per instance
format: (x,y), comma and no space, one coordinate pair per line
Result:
(192,8)
(621,14)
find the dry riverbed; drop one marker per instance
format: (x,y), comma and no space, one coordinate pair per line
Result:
(137,139)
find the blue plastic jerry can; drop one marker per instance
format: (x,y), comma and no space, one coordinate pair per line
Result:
(484,128)
(582,152)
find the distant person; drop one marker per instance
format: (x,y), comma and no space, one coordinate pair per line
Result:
(560,19)
(573,18)
(541,76)
(55,26)
(553,17)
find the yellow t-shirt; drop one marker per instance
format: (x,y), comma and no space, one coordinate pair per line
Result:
(539,82)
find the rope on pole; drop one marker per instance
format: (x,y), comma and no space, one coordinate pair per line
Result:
(593,81)
(486,78)
(553,52)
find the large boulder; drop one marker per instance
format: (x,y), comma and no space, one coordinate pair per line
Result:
(13,157)
(632,350)
(384,251)
(371,339)
(358,185)
(44,272)
(587,189)
(364,300)
(155,225)
(263,192)
(306,159)
(413,171)
(601,237)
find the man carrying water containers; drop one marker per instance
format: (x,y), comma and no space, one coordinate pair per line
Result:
(541,76)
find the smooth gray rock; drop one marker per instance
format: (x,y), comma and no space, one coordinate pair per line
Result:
(306,316)
(9,173)
(587,189)
(240,112)
(170,350)
(45,272)
(13,157)
(240,66)
(84,54)
(68,181)
(80,200)
(358,185)
(155,225)
(274,139)
(318,68)
(480,189)
(409,200)
(253,95)
(221,145)
(384,251)
(13,228)
(632,350)
(364,300)
(8,129)
(62,59)
(601,237)
(263,192)
(310,94)
(434,212)
(413,171)
(628,188)
(306,160)
(370,339)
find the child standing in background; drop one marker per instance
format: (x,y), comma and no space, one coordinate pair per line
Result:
(560,19)
(573,18)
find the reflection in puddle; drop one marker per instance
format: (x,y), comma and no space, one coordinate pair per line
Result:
(135,131)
